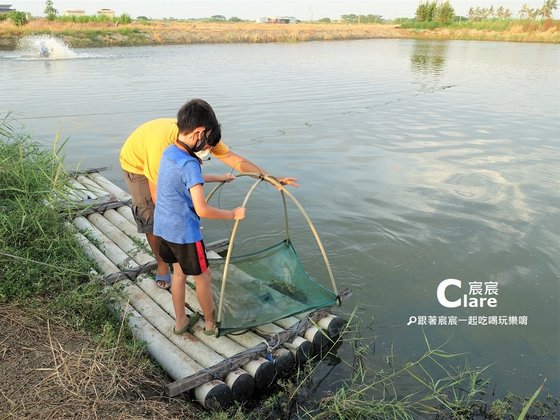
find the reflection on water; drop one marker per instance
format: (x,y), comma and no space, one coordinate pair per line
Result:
(428,57)
(418,161)
(427,61)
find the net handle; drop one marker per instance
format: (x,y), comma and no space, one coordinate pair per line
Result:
(230,252)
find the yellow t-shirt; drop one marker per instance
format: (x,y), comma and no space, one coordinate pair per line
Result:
(142,150)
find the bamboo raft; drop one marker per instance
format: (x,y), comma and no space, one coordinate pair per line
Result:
(218,370)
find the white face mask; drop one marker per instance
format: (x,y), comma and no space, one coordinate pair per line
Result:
(203,154)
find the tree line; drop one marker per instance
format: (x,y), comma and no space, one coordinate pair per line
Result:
(443,12)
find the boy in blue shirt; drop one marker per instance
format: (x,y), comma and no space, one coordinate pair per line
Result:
(180,203)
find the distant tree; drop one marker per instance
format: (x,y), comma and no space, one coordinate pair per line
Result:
(426,11)
(526,12)
(123,19)
(18,18)
(218,17)
(234,19)
(433,11)
(351,18)
(142,18)
(548,7)
(371,19)
(503,13)
(325,20)
(475,14)
(50,11)
(444,13)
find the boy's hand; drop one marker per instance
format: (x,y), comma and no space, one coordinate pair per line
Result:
(238,213)
(227,177)
(288,181)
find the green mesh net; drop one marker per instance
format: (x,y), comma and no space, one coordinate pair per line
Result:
(266,286)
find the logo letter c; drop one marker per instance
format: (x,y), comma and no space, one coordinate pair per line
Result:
(441,293)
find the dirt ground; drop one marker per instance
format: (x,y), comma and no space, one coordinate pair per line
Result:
(51,372)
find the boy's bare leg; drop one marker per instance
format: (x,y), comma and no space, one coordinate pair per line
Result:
(162,266)
(178,297)
(204,295)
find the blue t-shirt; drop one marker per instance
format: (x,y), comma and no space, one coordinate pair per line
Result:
(175,219)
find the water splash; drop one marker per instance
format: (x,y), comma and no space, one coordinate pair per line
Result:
(44,47)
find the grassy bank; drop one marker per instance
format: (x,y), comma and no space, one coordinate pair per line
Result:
(489,30)
(63,353)
(104,34)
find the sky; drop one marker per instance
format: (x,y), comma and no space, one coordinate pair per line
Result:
(254,9)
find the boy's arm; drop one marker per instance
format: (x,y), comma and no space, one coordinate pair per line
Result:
(239,163)
(203,209)
(218,178)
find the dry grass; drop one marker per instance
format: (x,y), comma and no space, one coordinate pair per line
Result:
(48,371)
(520,32)
(99,34)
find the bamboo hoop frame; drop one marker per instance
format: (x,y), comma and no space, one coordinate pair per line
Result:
(284,192)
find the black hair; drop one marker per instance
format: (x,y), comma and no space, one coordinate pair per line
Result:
(196,113)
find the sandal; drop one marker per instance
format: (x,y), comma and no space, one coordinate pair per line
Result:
(213,330)
(209,332)
(193,319)
(164,278)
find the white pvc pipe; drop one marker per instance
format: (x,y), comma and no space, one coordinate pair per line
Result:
(175,362)
(128,227)
(263,368)
(240,382)
(126,212)
(222,345)
(91,186)
(109,186)
(120,239)
(113,252)
(80,190)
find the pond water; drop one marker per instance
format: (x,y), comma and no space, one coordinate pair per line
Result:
(419,161)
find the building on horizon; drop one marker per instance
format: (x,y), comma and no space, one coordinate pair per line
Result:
(277,19)
(6,8)
(74,12)
(106,12)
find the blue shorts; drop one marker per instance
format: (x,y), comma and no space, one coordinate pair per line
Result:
(191,257)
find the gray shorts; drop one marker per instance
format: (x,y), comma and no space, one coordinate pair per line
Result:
(142,204)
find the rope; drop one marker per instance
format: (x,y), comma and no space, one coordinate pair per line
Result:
(45,264)
(130,274)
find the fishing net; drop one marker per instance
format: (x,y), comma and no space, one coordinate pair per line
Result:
(266,286)
(270,284)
